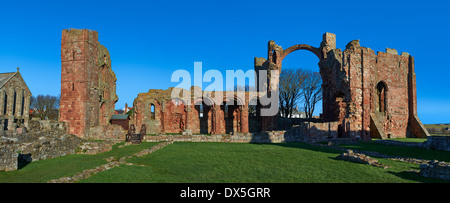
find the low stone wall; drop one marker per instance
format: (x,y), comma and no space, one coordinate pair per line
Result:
(47,147)
(42,140)
(438,143)
(435,169)
(295,134)
(95,147)
(432,143)
(109,132)
(360,158)
(403,144)
(9,153)
(268,137)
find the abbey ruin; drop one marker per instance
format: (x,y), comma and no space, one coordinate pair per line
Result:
(365,94)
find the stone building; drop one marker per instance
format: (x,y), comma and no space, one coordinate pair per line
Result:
(14,101)
(162,114)
(88,84)
(371,95)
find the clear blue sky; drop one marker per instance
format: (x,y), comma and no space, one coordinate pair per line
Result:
(148,40)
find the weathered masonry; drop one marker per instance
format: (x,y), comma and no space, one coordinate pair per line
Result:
(14,101)
(162,114)
(370,95)
(88,85)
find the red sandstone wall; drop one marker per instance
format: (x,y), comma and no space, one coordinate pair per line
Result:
(88,90)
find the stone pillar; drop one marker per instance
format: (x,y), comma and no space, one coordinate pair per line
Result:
(26,111)
(244,119)
(188,110)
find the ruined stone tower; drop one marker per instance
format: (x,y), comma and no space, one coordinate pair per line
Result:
(88,85)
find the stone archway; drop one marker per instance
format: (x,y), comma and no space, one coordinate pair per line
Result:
(275,57)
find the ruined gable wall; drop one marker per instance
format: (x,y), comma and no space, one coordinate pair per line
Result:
(365,70)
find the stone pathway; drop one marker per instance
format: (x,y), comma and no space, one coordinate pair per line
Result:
(112,163)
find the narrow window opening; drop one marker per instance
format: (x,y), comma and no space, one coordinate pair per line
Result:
(381,93)
(14,103)
(5,104)
(152,112)
(23,103)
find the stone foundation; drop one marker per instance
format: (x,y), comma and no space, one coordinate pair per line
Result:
(9,153)
(435,169)
(360,158)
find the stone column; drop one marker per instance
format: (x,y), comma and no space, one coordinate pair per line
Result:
(188,123)
(244,119)
(214,123)
(26,111)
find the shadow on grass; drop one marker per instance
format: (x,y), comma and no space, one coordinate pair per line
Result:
(23,160)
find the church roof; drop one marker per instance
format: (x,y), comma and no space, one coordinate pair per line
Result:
(5,77)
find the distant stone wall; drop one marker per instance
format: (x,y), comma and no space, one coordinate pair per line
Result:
(265,137)
(438,143)
(306,132)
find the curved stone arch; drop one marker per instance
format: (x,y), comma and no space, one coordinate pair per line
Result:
(207,100)
(155,104)
(176,101)
(297,47)
(238,100)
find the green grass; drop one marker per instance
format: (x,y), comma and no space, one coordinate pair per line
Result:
(253,163)
(409,139)
(45,170)
(229,163)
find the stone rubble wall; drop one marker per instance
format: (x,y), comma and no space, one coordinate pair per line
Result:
(107,132)
(438,143)
(360,158)
(433,143)
(95,147)
(42,140)
(435,169)
(8,154)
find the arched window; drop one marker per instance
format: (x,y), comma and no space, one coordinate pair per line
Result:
(200,112)
(14,103)
(152,111)
(381,97)
(23,103)
(5,104)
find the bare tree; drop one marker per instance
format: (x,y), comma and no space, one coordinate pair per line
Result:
(290,89)
(45,106)
(312,92)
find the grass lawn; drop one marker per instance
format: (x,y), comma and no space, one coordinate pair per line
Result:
(226,163)
(45,170)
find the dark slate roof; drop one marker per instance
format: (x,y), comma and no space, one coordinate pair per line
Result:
(119,117)
(4,78)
